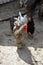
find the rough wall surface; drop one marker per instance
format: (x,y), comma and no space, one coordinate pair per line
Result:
(4,1)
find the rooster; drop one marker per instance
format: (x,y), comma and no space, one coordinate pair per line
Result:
(21,27)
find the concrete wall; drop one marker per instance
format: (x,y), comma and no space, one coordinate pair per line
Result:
(4,1)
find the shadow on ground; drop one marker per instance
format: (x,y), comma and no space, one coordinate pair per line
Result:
(25,55)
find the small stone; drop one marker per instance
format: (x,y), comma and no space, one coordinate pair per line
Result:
(0,62)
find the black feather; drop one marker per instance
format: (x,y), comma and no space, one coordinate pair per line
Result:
(31,27)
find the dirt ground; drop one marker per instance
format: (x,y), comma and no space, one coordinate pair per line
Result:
(10,9)
(30,54)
